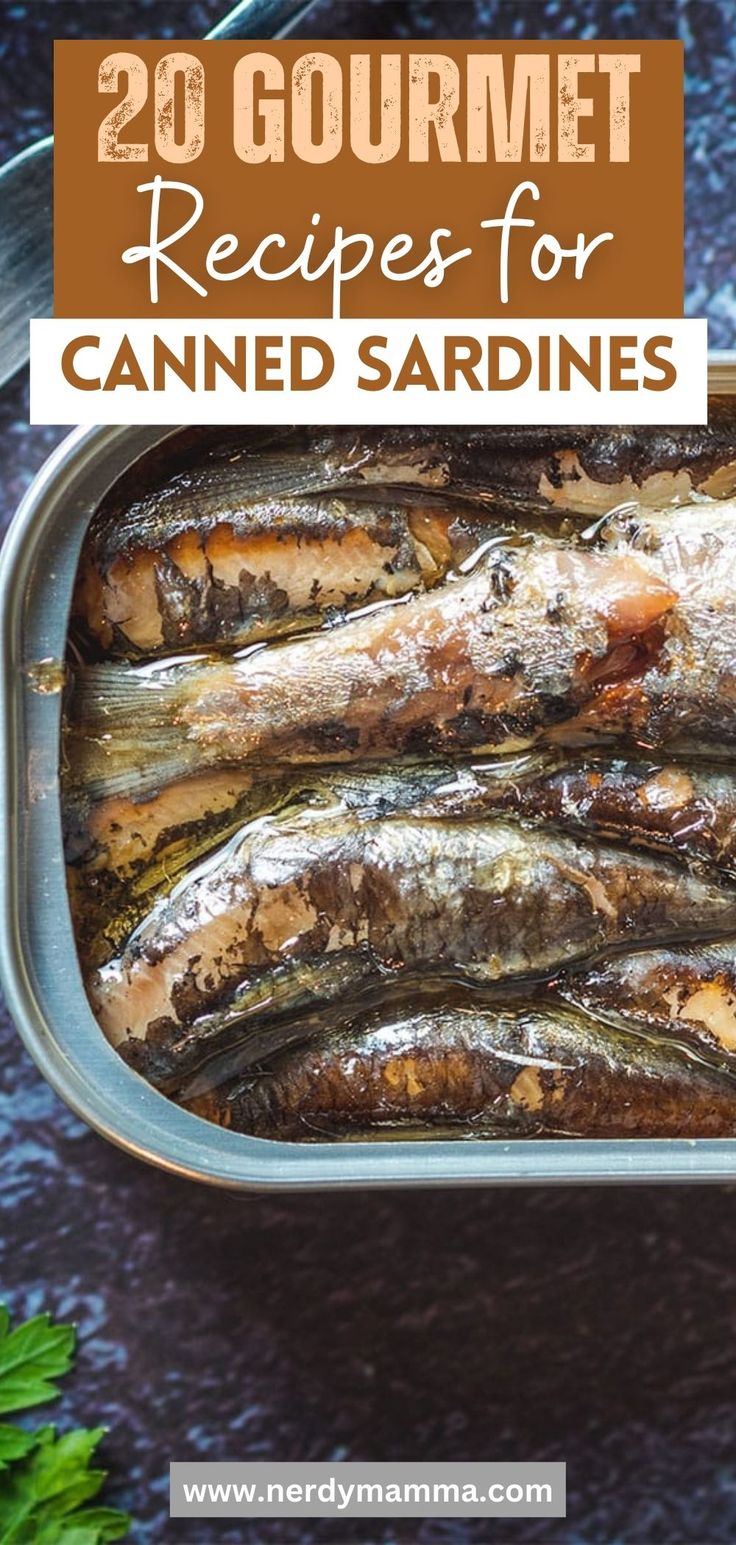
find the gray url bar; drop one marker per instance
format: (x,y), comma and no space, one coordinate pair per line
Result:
(242,1490)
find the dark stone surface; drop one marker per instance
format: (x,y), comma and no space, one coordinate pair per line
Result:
(596,1326)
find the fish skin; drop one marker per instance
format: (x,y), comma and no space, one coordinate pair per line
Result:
(122,854)
(478,1071)
(579,468)
(204,559)
(685,697)
(481,900)
(184,570)
(686,993)
(123,836)
(682,808)
(493,659)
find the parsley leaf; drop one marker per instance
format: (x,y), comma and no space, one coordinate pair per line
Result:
(14,1444)
(47,1480)
(31,1357)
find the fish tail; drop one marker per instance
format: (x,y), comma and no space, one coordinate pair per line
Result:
(124,737)
(283,474)
(132,771)
(110,699)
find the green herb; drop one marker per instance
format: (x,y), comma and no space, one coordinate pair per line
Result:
(46,1480)
(31,1357)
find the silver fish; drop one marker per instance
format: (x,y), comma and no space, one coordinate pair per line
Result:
(685,694)
(494,659)
(189,568)
(466,1070)
(297,905)
(535,466)
(685,992)
(122,854)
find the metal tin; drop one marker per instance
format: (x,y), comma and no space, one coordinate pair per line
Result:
(38,958)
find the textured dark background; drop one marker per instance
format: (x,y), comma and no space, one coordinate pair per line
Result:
(596,1326)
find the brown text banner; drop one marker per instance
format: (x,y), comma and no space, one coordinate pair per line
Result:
(368,179)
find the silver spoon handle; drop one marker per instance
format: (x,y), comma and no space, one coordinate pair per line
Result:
(260,19)
(26,279)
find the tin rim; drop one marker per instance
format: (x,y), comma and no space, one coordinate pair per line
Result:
(38,964)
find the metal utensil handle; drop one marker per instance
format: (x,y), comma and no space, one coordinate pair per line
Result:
(26,278)
(259,19)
